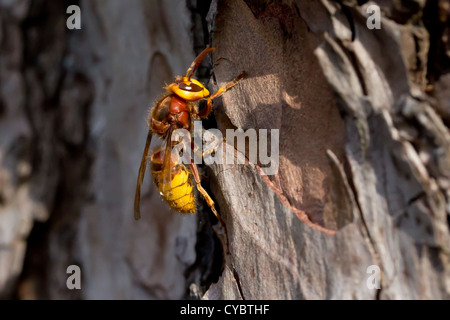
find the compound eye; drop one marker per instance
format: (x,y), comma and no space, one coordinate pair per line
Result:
(191,87)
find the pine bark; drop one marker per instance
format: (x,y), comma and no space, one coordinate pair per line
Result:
(364,149)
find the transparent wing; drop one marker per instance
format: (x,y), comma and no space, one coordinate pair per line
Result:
(167,163)
(137,196)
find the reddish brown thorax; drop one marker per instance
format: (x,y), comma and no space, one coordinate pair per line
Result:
(179,113)
(171,110)
(178,105)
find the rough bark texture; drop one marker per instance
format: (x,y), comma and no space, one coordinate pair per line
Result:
(364,148)
(368,164)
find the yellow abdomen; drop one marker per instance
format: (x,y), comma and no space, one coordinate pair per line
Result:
(179,195)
